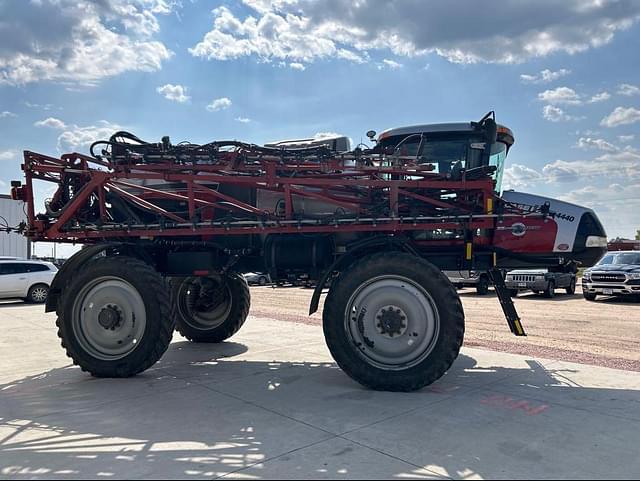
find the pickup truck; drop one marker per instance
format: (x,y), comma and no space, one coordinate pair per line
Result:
(617,274)
(540,281)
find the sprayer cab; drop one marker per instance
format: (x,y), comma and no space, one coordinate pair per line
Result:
(464,149)
(568,234)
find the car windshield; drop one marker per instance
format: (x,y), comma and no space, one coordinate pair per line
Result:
(625,258)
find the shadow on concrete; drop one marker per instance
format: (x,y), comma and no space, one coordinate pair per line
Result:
(559,297)
(62,423)
(14,303)
(619,300)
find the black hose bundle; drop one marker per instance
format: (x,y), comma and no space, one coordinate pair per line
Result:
(125,147)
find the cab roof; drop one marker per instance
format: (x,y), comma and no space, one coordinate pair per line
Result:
(451,127)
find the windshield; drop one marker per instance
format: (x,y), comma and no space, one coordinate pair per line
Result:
(625,258)
(497,159)
(450,152)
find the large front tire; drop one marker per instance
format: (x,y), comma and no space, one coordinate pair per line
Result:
(208,309)
(393,322)
(114,318)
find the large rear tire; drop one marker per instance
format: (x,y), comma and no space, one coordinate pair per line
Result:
(393,322)
(210,309)
(114,318)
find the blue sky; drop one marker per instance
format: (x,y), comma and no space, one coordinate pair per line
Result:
(563,75)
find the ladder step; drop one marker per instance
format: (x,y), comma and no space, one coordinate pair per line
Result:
(506,302)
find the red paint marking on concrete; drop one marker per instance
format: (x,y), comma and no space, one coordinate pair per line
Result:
(508,402)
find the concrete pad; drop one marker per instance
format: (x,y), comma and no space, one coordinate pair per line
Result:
(321,395)
(485,434)
(334,459)
(217,363)
(596,389)
(68,389)
(480,368)
(271,403)
(191,432)
(258,331)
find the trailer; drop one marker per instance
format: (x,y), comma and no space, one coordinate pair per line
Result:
(170,229)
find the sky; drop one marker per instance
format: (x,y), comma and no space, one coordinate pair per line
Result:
(563,75)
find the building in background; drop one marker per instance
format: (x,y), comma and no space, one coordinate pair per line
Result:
(12,214)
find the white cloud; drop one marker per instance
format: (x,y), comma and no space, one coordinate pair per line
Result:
(625,139)
(243,120)
(79,41)
(75,137)
(51,123)
(556,114)
(617,205)
(297,66)
(39,106)
(8,154)
(175,93)
(598,144)
(628,90)
(560,96)
(359,58)
(219,104)
(601,97)
(6,114)
(623,165)
(307,30)
(518,176)
(390,65)
(621,116)
(325,135)
(546,76)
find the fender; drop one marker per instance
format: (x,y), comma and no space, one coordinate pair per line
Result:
(355,252)
(67,269)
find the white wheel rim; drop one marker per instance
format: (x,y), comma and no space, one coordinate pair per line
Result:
(393,322)
(109,318)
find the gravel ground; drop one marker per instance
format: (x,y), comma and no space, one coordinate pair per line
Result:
(567,328)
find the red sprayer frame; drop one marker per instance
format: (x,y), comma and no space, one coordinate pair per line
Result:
(414,197)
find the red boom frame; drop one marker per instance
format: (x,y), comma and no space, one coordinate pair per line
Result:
(435,202)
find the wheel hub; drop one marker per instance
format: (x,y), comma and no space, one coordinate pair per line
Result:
(391,321)
(110,318)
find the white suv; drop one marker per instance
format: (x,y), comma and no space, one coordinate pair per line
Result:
(28,280)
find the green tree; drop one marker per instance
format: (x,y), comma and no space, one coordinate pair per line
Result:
(638,235)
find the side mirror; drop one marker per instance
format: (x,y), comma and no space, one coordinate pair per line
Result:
(491,131)
(372,135)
